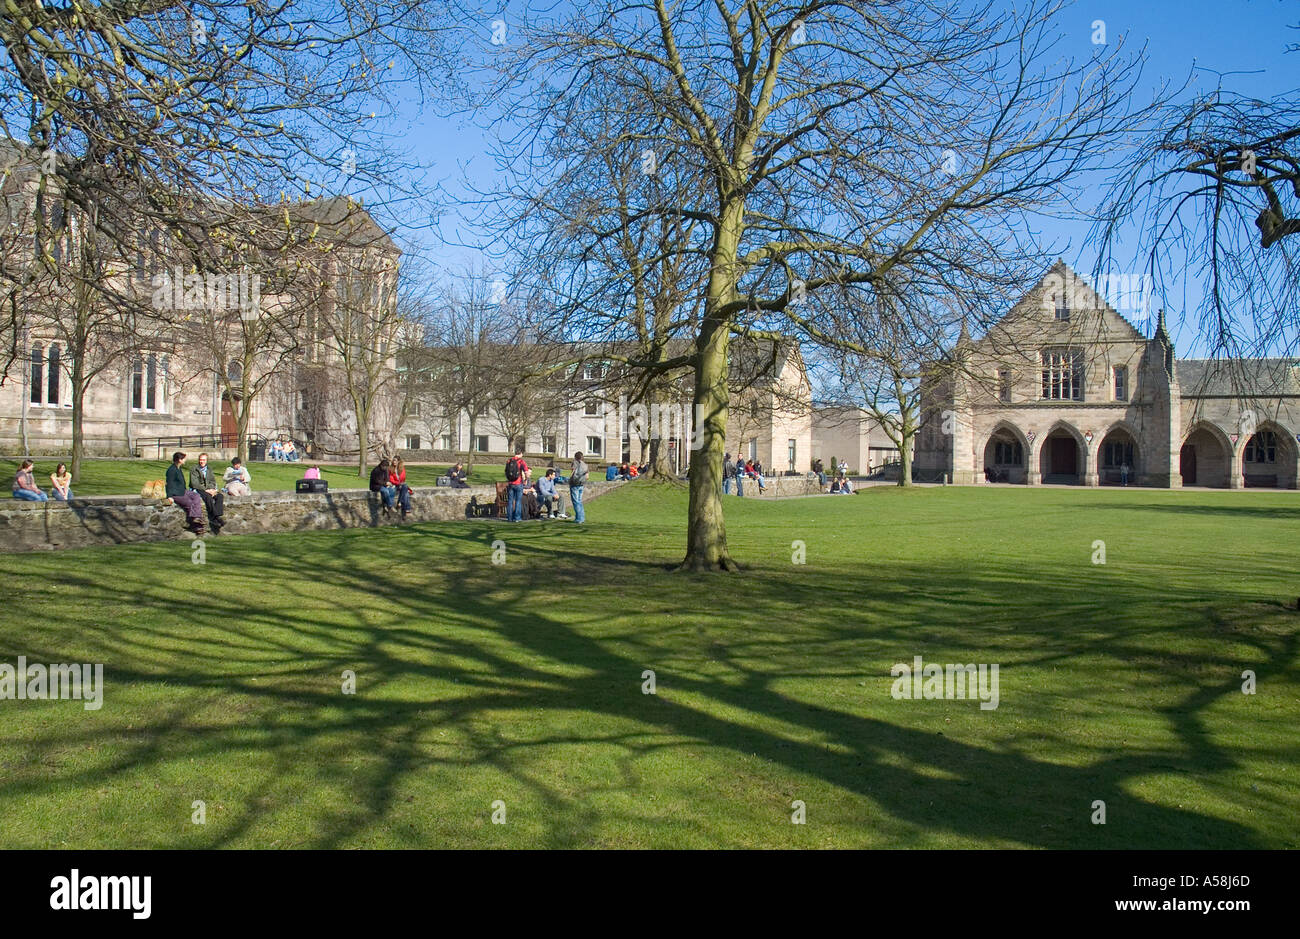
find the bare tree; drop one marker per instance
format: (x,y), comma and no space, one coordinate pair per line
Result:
(1215,193)
(842,143)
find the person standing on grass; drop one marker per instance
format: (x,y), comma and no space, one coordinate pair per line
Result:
(25,488)
(397,479)
(516,476)
(61,481)
(204,482)
(577,479)
(379,483)
(728,471)
(183,495)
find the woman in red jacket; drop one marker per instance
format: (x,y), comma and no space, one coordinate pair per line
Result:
(397,479)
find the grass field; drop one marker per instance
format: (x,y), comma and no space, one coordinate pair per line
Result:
(125,477)
(522,683)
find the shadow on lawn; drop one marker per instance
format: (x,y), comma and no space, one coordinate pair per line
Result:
(529,661)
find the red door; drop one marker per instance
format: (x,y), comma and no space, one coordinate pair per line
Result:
(228,425)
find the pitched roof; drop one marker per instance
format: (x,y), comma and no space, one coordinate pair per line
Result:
(1237,377)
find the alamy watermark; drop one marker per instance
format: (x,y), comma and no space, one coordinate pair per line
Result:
(949,682)
(38,682)
(176,290)
(656,422)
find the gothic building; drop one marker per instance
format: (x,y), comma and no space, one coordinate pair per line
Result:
(1063,389)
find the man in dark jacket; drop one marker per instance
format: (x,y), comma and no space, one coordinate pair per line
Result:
(728,474)
(379,483)
(182,495)
(204,482)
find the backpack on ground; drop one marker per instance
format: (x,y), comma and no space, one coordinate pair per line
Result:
(512,470)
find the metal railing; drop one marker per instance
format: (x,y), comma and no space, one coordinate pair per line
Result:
(163,447)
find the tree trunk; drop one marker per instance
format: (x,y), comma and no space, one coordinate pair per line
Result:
(905,457)
(706,533)
(78,417)
(363,442)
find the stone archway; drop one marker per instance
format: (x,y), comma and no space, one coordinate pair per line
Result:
(1205,458)
(1006,455)
(1268,458)
(1118,458)
(1061,457)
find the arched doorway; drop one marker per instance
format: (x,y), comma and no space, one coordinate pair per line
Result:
(1005,457)
(1268,461)
(1205,459)
(1061,458)
(1117,459)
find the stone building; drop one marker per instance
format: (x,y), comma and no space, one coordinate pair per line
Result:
(1063,389)
(160,368)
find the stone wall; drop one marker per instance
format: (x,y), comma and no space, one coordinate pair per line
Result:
(27,526)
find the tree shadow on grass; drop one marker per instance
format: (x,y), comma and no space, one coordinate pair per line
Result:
(480,641)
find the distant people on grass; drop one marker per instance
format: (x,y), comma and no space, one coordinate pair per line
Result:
(61,483)
(548,499)
(379,483)
(25,488)
(846,487)
(820,470)
(459,477)
(577,480)
(397,479)
(728,473)
(204,482)
(611,473)
(181,494)
(277,452)
(516,479)
(238,480)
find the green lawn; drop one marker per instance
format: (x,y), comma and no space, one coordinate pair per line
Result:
(523,682)
(125,477)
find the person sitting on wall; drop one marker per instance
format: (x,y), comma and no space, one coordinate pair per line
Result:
(277,451)
(25,488)
(459,477)
(397,479)
(290,452)
(549,500)
(611,473)
(182,495)
(379,484)
(239,482)
(61,483)
(204,482)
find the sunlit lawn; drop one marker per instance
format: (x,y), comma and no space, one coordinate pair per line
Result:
(523,682)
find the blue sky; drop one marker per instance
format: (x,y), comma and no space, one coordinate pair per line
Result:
(1245,40)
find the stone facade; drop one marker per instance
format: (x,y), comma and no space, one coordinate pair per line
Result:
(1063,389)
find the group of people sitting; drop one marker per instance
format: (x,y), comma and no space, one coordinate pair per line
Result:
(738,471)
(389,480)
(201,495)
(839,485)
(284,452)
(626,471)
(526,497)
(26,490)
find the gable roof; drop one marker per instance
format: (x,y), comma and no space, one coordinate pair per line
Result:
(1237,377)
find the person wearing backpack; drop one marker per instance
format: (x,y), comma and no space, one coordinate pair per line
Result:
(577,479)
(516,476)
